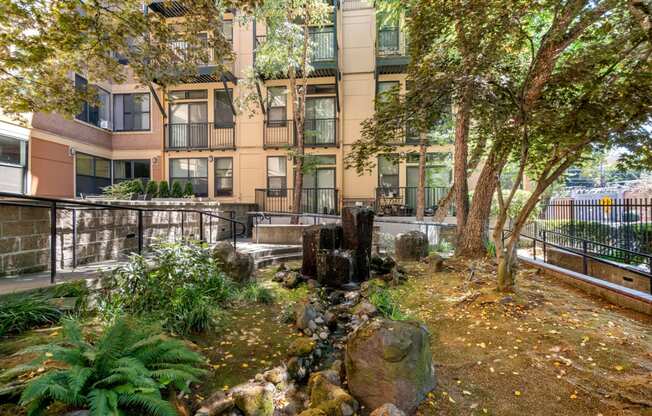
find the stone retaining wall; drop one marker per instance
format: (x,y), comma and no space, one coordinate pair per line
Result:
(102,234)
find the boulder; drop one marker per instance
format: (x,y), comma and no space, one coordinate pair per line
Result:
(310,242)
(435,261)
(334,268)
(382,264)
(411,246)
(301,347)
(238,266)
(276,375)
(217,404)
(365,309)
(357,227)
(389,362)
(292,280)
(329,396)
(304,312)
(388,409)
(254,399)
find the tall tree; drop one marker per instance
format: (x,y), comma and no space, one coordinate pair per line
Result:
(43,42)
(286,52)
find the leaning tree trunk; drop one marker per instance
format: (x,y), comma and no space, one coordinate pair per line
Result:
(460,163)
(473,236)
(421,190)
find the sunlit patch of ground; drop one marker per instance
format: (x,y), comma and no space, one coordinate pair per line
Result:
(548,349)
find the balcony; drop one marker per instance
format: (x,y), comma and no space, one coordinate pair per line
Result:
(323,56)
(168,8)
(313,200)
(208,71)
(199,136)
(318,132)
(391,51)
(402,201)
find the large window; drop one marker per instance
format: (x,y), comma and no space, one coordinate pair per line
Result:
(13,160)
(320,123)
(223,109)
(93,174)
(194,171)
(276,176)
(131,112)
(438,170)
(97,115)
(319,194)
(124,170)
(277,105)
(388,179)
(223,176)
(227,30)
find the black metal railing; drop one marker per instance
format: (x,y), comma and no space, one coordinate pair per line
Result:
(323,42)
(278,133)
(390,42)
(402,201)
(199,136)
(313,200)
(205,222)
(318,132)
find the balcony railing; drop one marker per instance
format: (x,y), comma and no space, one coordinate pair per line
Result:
(402,201)
(318,132)
(199,136)
(323,40)
(391,42)
(313,200)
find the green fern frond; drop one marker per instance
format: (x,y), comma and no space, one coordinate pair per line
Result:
(148,404)
(103,402)
(77,378)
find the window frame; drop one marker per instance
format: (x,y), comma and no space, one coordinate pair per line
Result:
(393,189)
(93,176)
(229,95)
(223,192)
(22,165)
(132,163)
(189,178)
(270,107)
(85,116)
(133,113)
(277,192)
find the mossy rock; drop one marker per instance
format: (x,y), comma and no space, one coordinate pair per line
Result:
(301,347)
(254,400)
(313,412)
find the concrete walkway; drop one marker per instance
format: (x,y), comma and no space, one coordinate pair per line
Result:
(264,254)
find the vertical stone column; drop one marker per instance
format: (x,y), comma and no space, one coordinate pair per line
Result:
(310,246)
(357,224)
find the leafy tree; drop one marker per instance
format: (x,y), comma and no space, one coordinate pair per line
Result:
(188,190)
(286,51)
(163,189)
(177,190)
(152,189)
(122,372)
(42,43)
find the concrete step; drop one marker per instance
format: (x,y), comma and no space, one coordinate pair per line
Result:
(277,259)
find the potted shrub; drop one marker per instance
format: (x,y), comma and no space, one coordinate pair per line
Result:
(188,190)
(151,191)
(177,190)
(163,189)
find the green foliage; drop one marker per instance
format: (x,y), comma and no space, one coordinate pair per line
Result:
(20,312)
(122,372)
(177,190)
(254,292)
(163,189)
(517,204)
(188,190)
(152,189)
(183,290)
(124,189)
(386,303)
(490,246)
(442,246)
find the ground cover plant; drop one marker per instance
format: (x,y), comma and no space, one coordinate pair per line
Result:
(121,371)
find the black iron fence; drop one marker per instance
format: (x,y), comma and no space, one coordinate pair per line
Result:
(313,200)
(199,136)
(402,201)
(390,42)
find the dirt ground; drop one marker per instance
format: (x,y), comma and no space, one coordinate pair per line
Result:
(548,349)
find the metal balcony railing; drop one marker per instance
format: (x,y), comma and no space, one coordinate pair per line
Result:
(402,201)
(199,136)
(390,42)
(323,42)
(318,132)
(313,200)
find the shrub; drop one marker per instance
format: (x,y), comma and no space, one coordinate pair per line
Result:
(188,190)
(123,372)
(177,190)
(152,189)
(254,292)
(386,304)
(21,312)
(164,189)
(124,189)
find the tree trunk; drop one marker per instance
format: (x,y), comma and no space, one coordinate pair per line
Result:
(507,271)
(473,236)
(421,190)
(444,205)
(460,163)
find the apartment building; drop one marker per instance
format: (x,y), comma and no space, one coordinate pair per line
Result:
(237,158)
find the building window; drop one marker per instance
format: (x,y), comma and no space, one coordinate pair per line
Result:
(227,30)
(223,109)
(93,174)
(13,161)
(188,95)
(438,170)
(384,88)
(223,176)
(276,176)
(194,171)
(319,194)
(99,115)
(131,112)
(277,106)
(388,178)
(125,170)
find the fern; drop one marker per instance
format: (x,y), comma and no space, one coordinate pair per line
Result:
(122,372)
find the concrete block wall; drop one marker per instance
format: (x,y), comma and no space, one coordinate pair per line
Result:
(102,234)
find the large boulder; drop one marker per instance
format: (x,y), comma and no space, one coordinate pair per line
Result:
(254,399)
(411,246)
(390,362)
(382,264)
(236,265)
(335,268)
(310,241)
(327,395)
(357,228)
(388,409)
(304,313)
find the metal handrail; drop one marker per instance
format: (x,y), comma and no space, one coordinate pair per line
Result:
(54,204)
